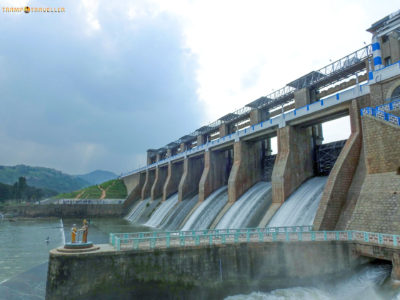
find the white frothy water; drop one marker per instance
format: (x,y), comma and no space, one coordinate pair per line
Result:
(62,232)
(137,211)
(242,211)
(161,212)
(207,210)
(176,217)
(301,207)
(364,285)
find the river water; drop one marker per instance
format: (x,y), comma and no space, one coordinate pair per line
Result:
(24,250)
(24,255)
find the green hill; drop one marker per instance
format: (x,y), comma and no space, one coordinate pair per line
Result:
(112,189)
(44,178)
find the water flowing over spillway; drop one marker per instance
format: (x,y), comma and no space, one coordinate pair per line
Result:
(248,209)
(158,216)
(137,211)
(366,284)
(149,208)
(180,211)
(301,207)
(207,210)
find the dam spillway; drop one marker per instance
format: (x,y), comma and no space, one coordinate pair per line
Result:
(300,208)
(245,212)
(205,213)
(179,213)
(161,212)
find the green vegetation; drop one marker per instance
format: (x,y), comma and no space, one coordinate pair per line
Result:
(21,191)
(43,178)
(115,189)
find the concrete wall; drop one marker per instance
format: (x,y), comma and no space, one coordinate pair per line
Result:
(148,183)
(214,174)
(212,272)
(159,181)
(293,163)
(134,185)
(246,170)
(192,171)
(67,210)
(341,176)
(383,90)
(174,175)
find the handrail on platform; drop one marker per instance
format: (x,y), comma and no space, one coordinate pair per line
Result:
(146,240)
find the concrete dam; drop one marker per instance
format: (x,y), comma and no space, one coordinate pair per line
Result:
(230,216)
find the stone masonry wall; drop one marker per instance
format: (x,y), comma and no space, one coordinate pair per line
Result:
(377,208)
(341,176)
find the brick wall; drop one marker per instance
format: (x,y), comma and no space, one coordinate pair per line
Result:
(377,207)
(382,145)
(341,176)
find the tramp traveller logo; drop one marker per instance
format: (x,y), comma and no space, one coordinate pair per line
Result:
(29,10)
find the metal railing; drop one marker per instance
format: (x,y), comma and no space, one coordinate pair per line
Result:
(394,104)
(160,240)
(383,115)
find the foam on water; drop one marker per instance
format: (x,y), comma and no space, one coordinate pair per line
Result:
(243,211)
(207,210)
(62,232)
(301,207)
(161,212)
(180,211)
(364,285)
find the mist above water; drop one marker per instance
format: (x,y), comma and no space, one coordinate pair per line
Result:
(367,284)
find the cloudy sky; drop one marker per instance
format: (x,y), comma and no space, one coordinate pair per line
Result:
(96,86)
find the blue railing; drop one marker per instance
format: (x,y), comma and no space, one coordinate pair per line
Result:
(146,240)
(380,114)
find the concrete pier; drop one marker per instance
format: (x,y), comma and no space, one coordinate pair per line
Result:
(214,174)
(175,171)
(148,183)
(159,181)
(192,171)
(246,169)
(294,161)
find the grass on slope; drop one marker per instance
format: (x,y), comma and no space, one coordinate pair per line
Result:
(115,189)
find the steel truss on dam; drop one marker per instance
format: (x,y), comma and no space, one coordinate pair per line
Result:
(294,117)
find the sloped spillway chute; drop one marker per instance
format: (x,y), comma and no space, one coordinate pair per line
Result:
(207,210)
(161,212)
(301,207)
(180,211)
(248,210)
